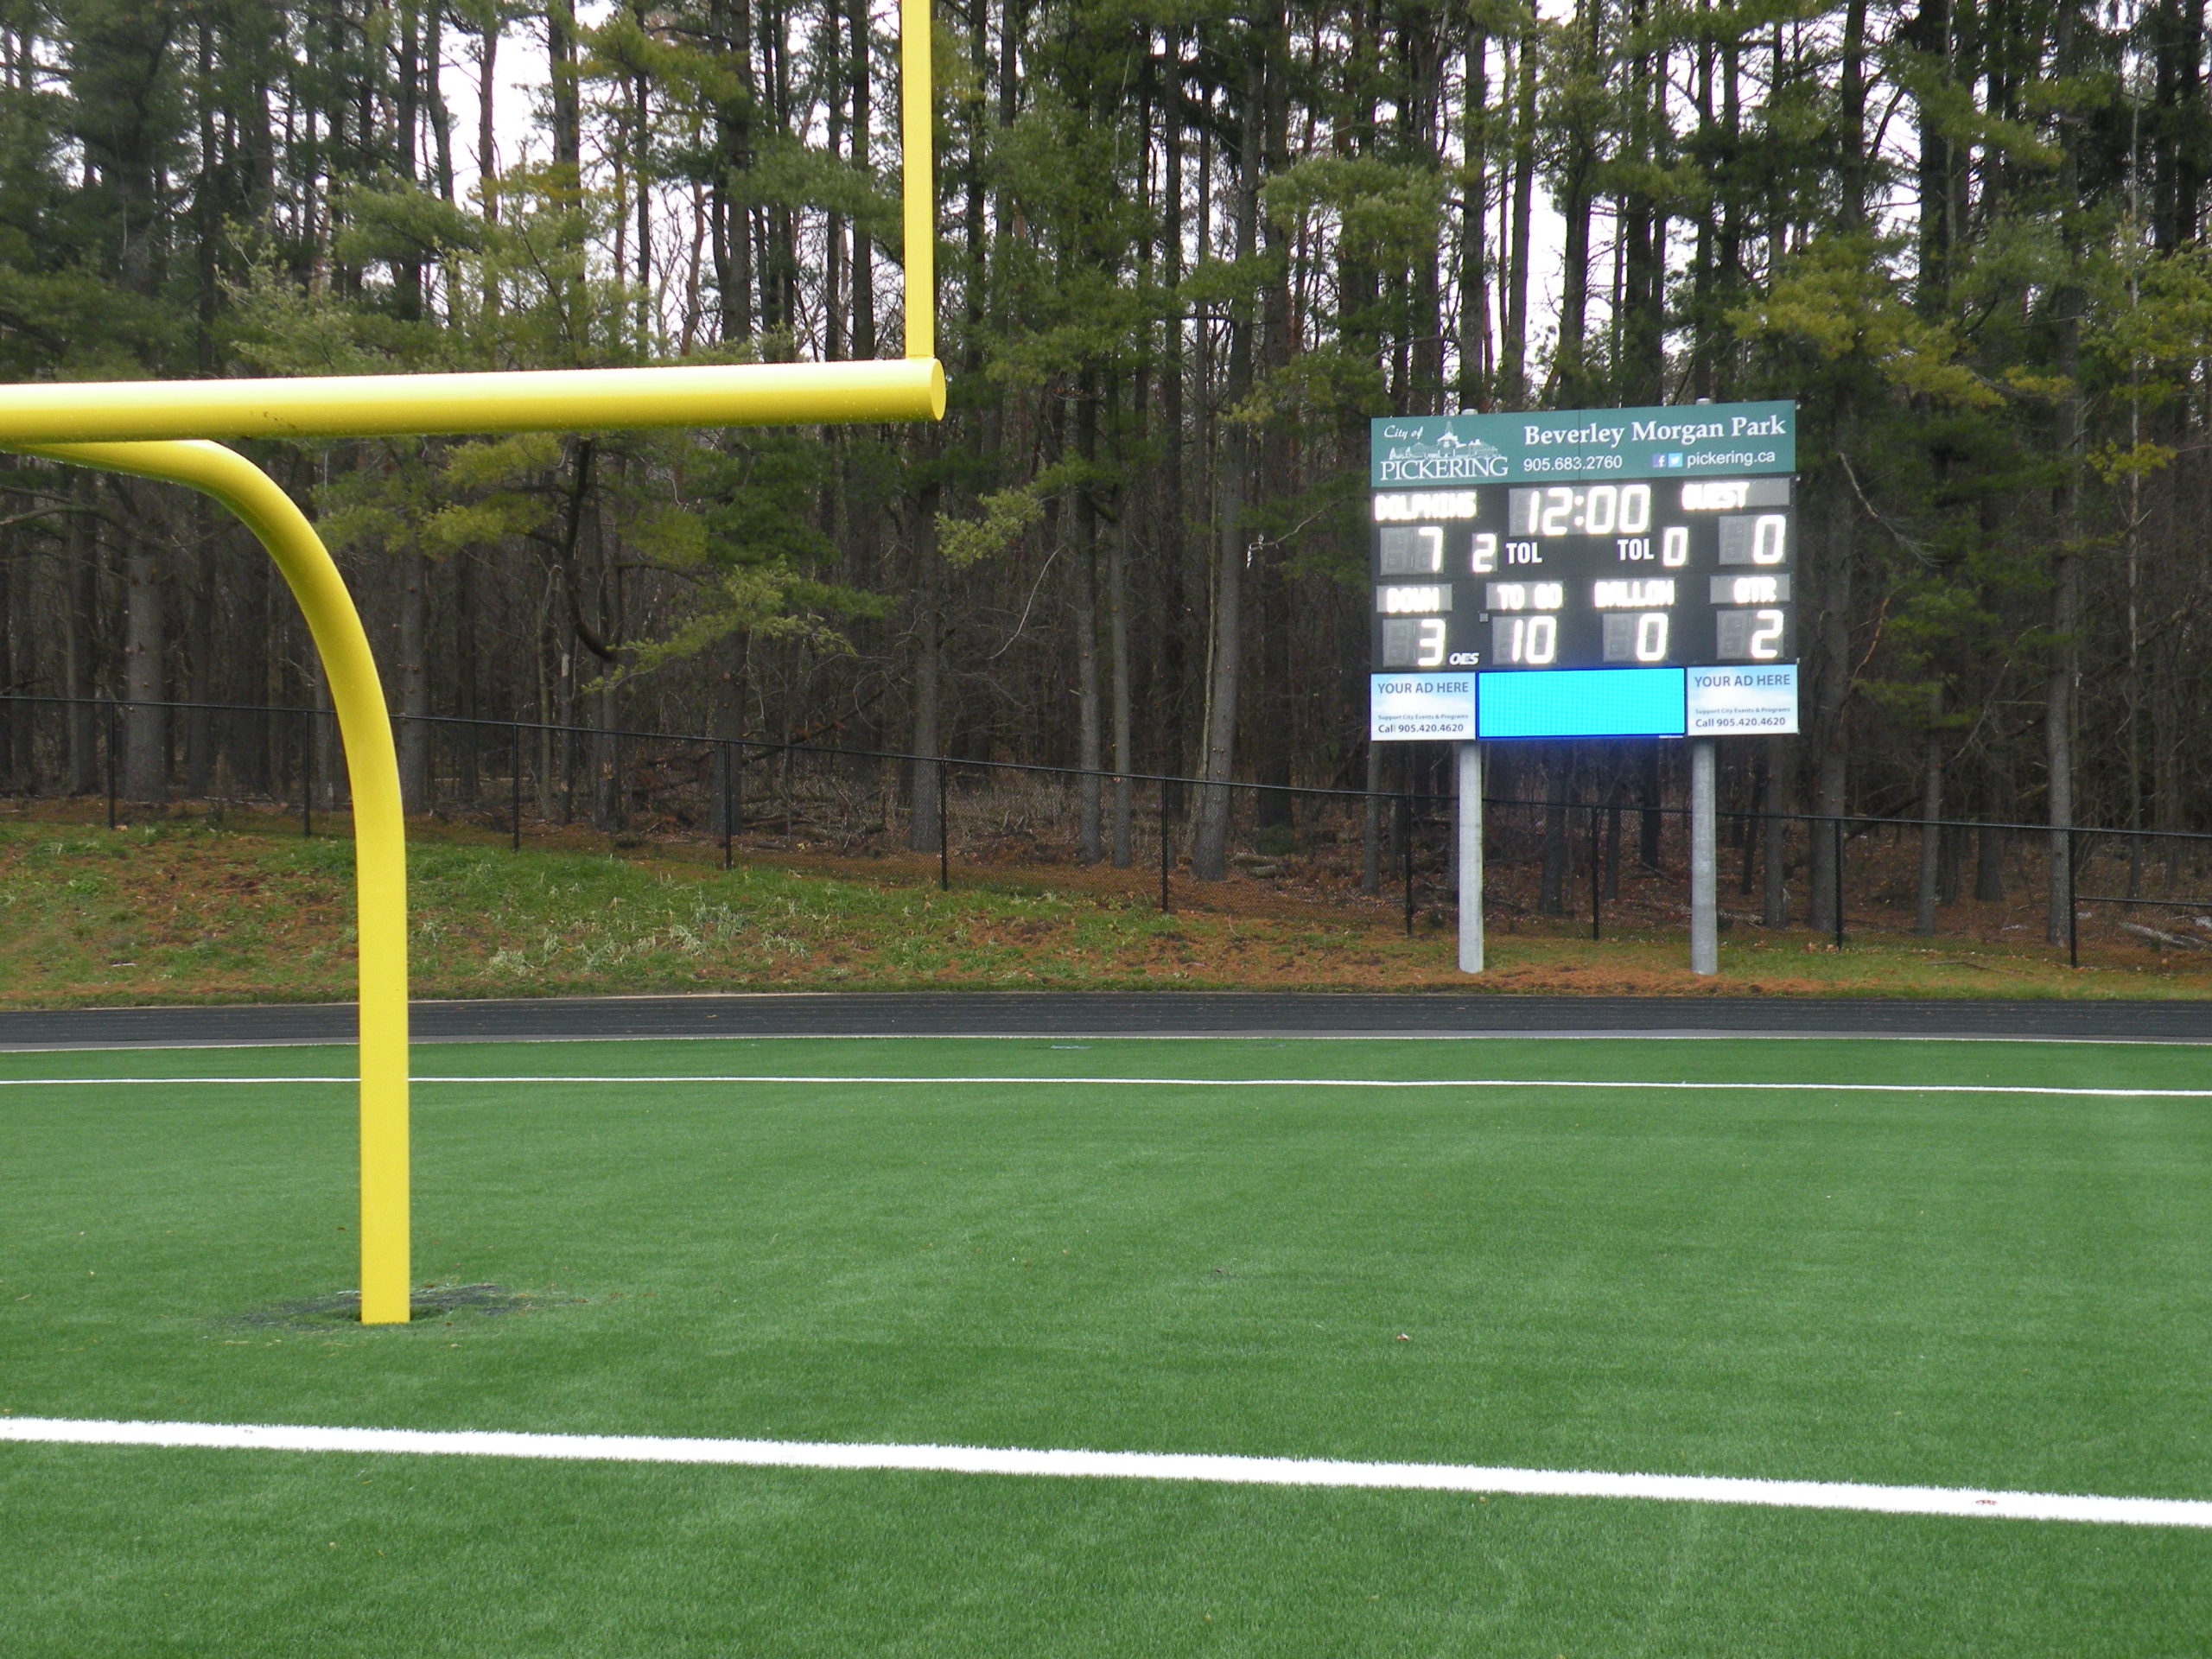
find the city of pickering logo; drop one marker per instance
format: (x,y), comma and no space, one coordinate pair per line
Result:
(1411,456)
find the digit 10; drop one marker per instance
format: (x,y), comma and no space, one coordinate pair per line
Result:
(1532,639)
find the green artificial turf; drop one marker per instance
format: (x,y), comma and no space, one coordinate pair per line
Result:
(1920,1287)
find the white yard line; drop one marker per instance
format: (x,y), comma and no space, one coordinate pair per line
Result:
(1197,1082)
(1126,1465)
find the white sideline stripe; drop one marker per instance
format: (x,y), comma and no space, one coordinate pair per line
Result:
(1564,1034)
(1211,1083)
(1964,1503)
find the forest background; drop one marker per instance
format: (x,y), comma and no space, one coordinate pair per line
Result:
(1186,250)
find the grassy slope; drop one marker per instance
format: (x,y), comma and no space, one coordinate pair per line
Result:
(1958,1290)
(187,913)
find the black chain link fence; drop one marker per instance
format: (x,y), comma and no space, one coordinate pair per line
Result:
(1612,868)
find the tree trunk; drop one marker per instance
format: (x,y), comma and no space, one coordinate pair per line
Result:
(467,673)
(145,678)
(201,646)
(1225,650)
(731,234)
(1513,355)
(414,678)
(487,141)
(407,79)
(1989,865)
(1083,570)
(1474,229)
(863,274)
(925,823)
(80,551)
(567,108)
(1652,824)
(1571,368)
(1931,835)
(324,750)
(1370,826)
(1551,882)
(1833,688)
(2068,304)
(2058,718)
(1117,633)
(14,718)
(609,799)
(1775,860)
(1169,695)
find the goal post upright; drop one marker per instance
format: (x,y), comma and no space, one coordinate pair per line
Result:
(918,144)
(379,823)
(161,429)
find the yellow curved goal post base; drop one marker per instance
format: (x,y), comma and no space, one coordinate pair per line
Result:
(379,828)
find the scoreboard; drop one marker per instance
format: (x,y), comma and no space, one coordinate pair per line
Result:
(1633,577)
(1532,576)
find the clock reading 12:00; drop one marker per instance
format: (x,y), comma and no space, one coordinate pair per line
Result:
(1663,572)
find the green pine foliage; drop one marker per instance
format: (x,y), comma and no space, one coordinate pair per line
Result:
(1185,253)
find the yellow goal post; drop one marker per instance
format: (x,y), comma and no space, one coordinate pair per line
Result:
(161,429)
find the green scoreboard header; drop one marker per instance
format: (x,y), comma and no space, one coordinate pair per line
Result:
(1731,439)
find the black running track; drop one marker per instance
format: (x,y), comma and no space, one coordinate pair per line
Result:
(1161,1014)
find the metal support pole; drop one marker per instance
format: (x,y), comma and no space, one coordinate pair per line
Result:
(1705,861)
(2073,913)
(514,787)
(111,762)
(1471,857)
(1838,828)
(943,834)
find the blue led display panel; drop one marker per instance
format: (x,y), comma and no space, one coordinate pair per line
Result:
(1582,703)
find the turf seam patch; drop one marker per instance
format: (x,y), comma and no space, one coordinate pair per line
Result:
(1950,1501)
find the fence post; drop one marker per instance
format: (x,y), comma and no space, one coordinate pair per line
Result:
(1166,854)
(306,773)
(1838,828)
(514,787)
(111,724)
(2073,911)
(944,833)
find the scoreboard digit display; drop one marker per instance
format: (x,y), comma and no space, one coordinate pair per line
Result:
(1595,573)
(1532,576)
